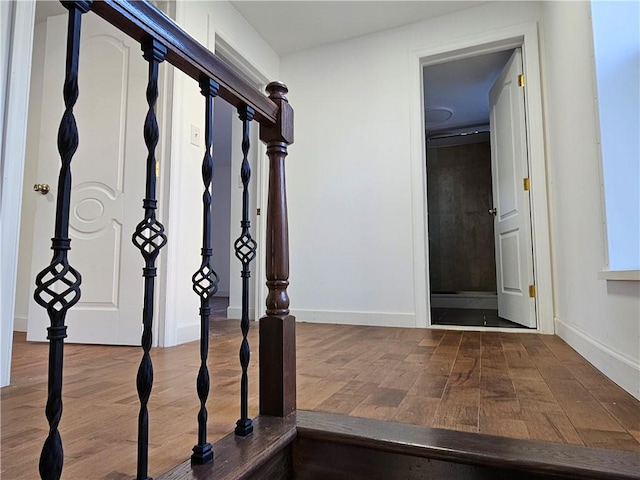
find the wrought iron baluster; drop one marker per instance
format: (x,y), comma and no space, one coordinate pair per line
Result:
(245,248)
(149,238)
(205,280)
(58,285)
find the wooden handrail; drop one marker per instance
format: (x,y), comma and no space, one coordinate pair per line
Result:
(141,20)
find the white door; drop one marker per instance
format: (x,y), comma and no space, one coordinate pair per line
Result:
(108,182)
(512,225)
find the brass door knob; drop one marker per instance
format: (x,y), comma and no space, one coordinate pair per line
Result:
(493,211)
(43,188)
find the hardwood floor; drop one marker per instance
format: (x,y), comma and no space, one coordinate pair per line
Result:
(510,384)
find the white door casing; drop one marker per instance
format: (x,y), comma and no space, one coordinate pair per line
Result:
(108,182)
(509,168)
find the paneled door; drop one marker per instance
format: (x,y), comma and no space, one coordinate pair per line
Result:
(511,201)
(108,182)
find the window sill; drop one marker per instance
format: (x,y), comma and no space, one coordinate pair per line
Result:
(624,275)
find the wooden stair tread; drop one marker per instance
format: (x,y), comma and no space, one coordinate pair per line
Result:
(238,457)
(470,448)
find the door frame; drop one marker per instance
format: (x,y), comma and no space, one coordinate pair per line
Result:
(14,131)
(231,52)
(526,37)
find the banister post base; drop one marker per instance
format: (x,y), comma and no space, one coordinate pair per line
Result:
(277,365)
(202,454)
(244,427)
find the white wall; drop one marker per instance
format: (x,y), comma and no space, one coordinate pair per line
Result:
(599,318)
(351,234)
(25,285)
(349,170)
(203,20)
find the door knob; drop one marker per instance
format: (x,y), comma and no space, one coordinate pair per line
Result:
(493,211)
(43,188)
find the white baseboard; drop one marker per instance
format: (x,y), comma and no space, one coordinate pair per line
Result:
(236,313)
(20,323)
(620,368)
(378,319)
(480,301)
(188,333)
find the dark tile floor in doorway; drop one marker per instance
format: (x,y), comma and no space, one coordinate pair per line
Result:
(468,317)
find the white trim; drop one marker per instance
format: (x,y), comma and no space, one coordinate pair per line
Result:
(466,300)
(235,313)
(20,323)
(419,195)
(466,328)
(377,319)
(526,36)
(164,110)
(229,50)
(598,137)
(618,367)
(14,136)
(623,275)
(170,180)
(188,333)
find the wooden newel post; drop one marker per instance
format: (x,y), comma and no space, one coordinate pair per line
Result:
(277,327)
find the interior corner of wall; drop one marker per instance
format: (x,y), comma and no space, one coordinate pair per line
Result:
(617,366)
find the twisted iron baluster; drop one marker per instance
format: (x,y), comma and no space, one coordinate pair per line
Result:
(58,285)
(205,280)
(149,237)
(245,248)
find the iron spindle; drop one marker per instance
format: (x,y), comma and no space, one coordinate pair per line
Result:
(205,280)
(149,238)
(58,285)
(245,248)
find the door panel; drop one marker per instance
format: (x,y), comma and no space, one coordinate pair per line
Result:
(509,165)
(108,182)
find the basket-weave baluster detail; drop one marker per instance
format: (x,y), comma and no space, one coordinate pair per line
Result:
(245,251)
(58,285)
(149,238)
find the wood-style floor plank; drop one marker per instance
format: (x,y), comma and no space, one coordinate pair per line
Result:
(509,384)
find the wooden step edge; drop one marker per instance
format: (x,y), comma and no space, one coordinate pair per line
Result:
(471,448)
(238,457)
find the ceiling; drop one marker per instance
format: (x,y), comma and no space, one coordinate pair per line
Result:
(461,89)
(293,26)
(461,86)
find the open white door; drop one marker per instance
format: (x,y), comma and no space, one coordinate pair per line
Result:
(108,182)
(509,167)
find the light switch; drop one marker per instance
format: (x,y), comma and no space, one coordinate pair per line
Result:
(195,136)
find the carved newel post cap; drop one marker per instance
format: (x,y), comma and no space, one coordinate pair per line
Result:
(282,130)
(277,91)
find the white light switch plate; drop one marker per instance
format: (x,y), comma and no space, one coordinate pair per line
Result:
(195,136)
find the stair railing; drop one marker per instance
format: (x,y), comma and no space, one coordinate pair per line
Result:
(58,285)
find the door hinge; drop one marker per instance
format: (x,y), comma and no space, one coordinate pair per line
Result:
(258,212)
(521,80)
(157,169)
(532,291)
(527,184)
